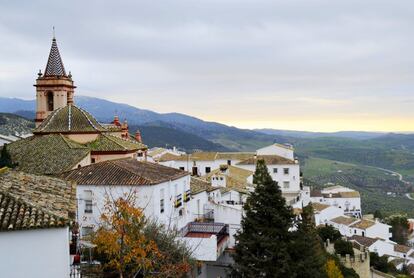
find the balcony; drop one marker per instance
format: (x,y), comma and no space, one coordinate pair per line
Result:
(207,241)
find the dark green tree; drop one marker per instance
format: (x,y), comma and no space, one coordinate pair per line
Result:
(329,232)
(262,248)
(399,228)
(378,214)
(306,248)
(5,158)
(343,247)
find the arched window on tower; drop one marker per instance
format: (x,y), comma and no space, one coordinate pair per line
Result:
(49,97)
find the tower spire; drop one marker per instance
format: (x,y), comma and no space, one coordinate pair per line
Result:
(54,65)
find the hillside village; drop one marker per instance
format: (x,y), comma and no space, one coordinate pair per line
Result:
(66,169)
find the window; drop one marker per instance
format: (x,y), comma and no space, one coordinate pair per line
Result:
(221,178)
(87,231)
(93,160)
(182,168)
(286,171)
(161,200)
(49,101)
(208,170)
(274,170)
(88,201)
(140,154)
(285,184)
(195,171)
(228,162)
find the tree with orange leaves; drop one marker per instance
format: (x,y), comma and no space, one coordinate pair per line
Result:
(121,240)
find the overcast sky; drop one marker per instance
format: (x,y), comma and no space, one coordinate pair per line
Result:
(304,65)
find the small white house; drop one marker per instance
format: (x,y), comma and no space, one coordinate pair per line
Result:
(349,226)
(323,213)
(376,245)
(162,192)
(35,215)
(339,196)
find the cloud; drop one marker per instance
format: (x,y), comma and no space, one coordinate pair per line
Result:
(243,61)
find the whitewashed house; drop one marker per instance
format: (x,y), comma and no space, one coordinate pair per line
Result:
(323,213)
(339,196)
(35,215)
(202,163)
(376,245)
(349,226)
(162,192)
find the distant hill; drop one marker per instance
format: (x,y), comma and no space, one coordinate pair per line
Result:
(11,124)
(158,136)
(222,135)
(360,135)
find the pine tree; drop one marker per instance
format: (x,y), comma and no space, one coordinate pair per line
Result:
(262,248)
(306,249)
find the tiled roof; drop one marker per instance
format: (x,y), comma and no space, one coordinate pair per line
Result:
(32,202)
(46,154)
(54,65)
(269,160)
(344,220)
(401,248)
(315,193)
(106,142)
(236,178)
(234,155)
(318,207)
(198,185)
(351,194)
(363,224)
(69,119)
(123,172)
(171,157)
(363,240)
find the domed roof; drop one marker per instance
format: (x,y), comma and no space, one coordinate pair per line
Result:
(69,119)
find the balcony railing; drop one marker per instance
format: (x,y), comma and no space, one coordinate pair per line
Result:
(218,229)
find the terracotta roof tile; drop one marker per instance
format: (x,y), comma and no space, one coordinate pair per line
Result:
(32,202)
(318,207)
(269,160)
(198,185)
(46,154)
(123,172)
(365,241)
(363,224)
(401,248)
(69,119)
(344,220)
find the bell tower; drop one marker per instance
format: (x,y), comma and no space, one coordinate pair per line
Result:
(54,88)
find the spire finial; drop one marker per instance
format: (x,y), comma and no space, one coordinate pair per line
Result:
(54,32)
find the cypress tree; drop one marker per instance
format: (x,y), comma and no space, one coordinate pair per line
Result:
(262,248)
(5,158)
(307,250)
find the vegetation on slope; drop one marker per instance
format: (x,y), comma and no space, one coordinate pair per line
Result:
(11,124)
(373,184)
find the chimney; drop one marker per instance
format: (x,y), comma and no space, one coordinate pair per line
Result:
(138,136)
(124,130)
(116,121)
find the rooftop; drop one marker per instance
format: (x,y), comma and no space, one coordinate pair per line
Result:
(110,143)
(69,119)
(318,207)
(363,224)
(31,202)
(198,185)
(54,65)
(344,220)
(127,171)
(207,156)
(46,154)
(401,248)
(363,240)
(269,160)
